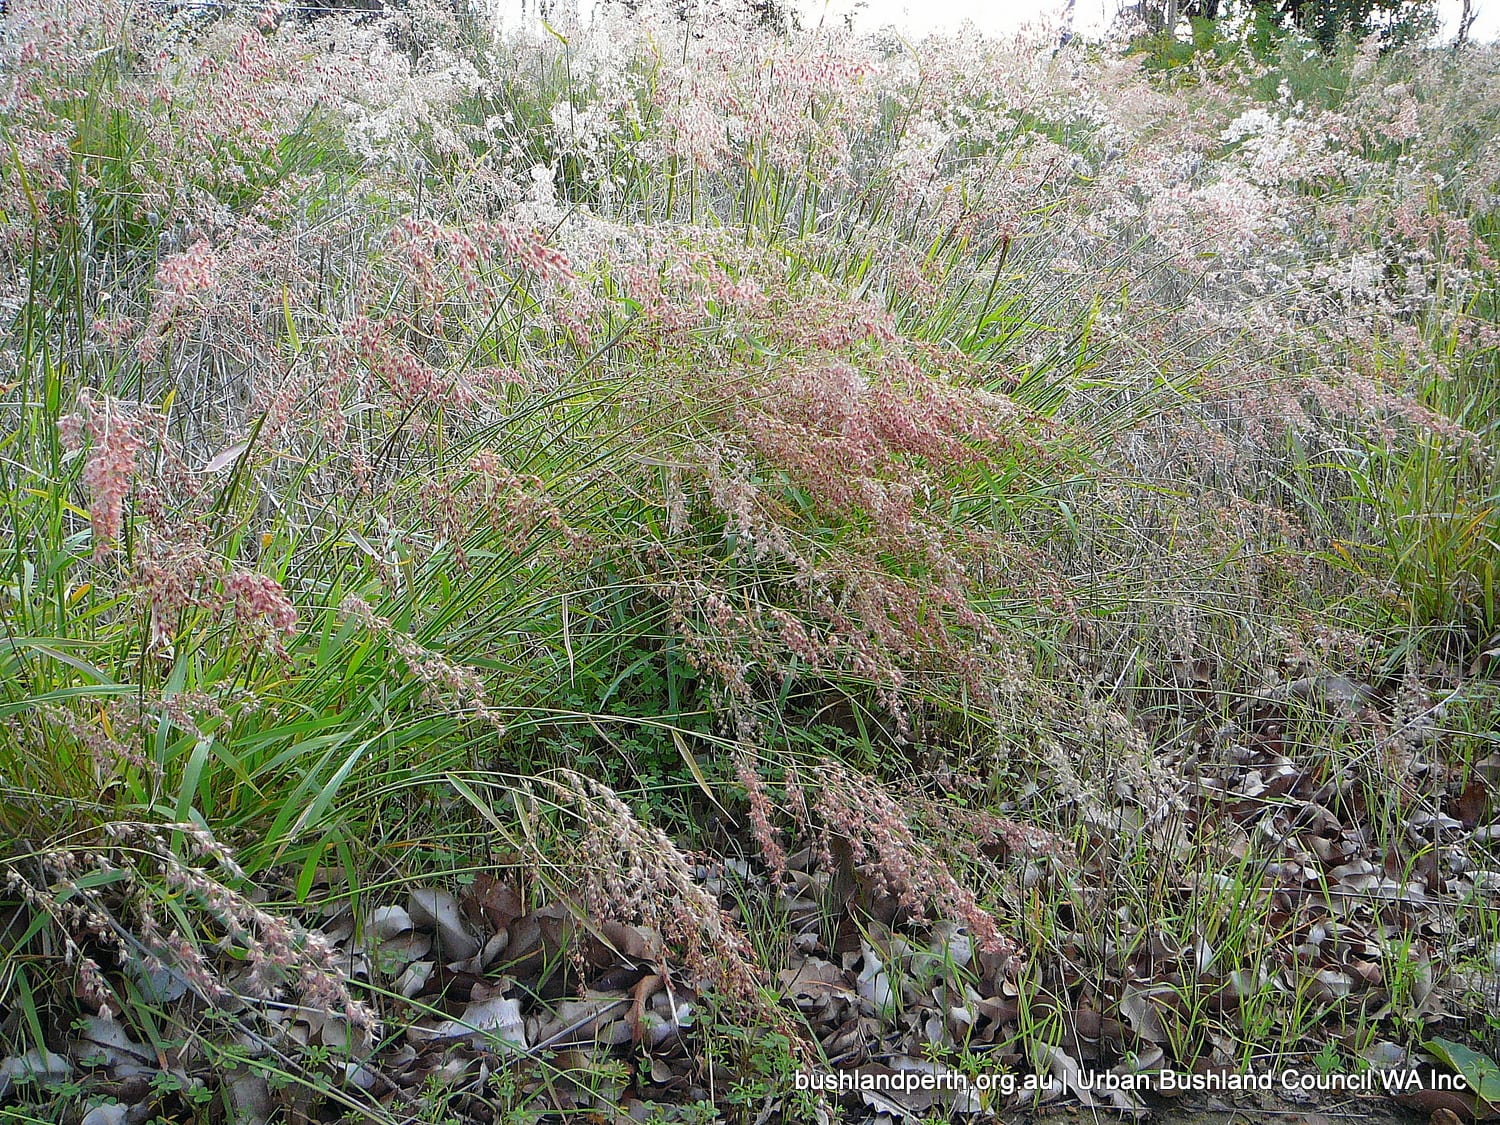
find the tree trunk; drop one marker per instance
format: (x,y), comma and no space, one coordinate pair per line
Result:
(1466,23)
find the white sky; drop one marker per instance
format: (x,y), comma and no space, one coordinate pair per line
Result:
(914,18)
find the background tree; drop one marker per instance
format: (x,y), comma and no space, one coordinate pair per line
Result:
(1326,20)
(1323,20)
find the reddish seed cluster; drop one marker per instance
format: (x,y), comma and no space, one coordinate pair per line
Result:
(517,504)
(529,250)
(426,246)
(181,281)
(175,576)
(279,956)
(382,355)
(439,675)
(110,747)
(791,105)
(677,288)
(260,600)
(172,566)
(193,271)
(762,814)
(633,873)
(112,330)
(873,825)
(117,434)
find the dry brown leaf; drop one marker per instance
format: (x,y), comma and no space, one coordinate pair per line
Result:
(1472,806)
(646,987)
(492,903)
(1141,1007)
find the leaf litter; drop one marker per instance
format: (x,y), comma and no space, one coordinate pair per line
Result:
(498,985)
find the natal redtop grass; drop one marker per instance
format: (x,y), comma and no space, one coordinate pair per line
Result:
(969,552)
